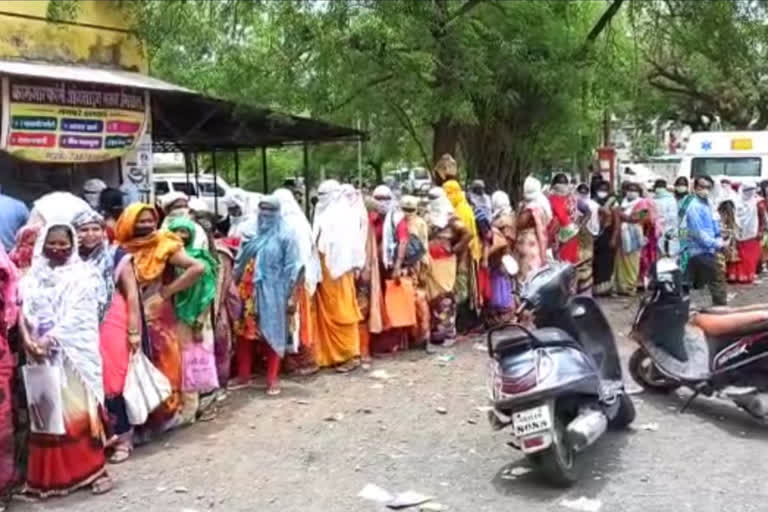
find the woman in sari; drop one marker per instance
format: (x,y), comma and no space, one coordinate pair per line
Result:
(368,289)
(532,221)
(120,323)
(448,237)
(748,237)
(276,262)
(9,311)
(60,298)
(589,228)
(156,256)
(501,306)
(21,254)
(606,241)
(564,212)
(337,235)
(298,229)
(468,296)
(634,214)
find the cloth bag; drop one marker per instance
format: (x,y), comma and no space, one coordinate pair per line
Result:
(198,362)
(45,403)
(146,388)
(400,303)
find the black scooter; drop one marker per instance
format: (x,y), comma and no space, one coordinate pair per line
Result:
(716,350)
(558,384)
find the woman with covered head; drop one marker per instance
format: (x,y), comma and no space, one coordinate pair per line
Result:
(564,213)
(157,254)
(60,297)
(500,306)
(448,238)
(275,256)
(9,312)
(298,228)
(120,330)
(607,239)
(533,218)
(751,227)
(336,233)
(637,217)
(468,294)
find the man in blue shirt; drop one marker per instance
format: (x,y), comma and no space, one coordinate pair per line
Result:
(704,242)
(13,215)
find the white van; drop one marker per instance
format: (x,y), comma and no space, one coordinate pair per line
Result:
(178,182)
(740,156)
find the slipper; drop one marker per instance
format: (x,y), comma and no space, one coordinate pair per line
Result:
(273,391)
(102,486)
(120,455)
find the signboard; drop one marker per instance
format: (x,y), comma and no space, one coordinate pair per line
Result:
(70,122)
(137,167)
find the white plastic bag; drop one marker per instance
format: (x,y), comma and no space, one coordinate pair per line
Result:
(43,384)
(146,388)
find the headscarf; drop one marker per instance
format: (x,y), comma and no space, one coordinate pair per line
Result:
(191,303)
(392,217)
(747,213)
(150,253)
(464,212)
(248,227)
(416,225)
(383,206)
(446,169)
(297,224)
(92,190)
(336,229)
(61,303)
(52,206)
(112,203)
(358,218)
(535,198)
(500,204)
(22,252)
(440,209)
(480,201)
(166,200)
(236,197)
(9,291)
(101,257)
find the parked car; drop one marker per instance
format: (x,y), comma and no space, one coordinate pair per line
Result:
(212,193)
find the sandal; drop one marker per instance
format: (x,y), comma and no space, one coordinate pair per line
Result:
(273,390)
(348,366)
(307,371)
(208,415)
(102,485)
(121,453)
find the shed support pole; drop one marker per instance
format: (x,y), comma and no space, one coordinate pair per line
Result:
(307,184)
(264,179)
(197,175)
(237,168)
(215,184)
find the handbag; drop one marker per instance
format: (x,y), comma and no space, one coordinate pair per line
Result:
(400,303)
(43,383)
(198,362)
(414,249)
(146,388)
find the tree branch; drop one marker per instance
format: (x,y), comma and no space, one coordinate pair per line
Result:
(604,20)
(406,122)
(461,11)
(371,83)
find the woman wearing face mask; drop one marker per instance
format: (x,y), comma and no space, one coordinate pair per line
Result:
(533,218)
(589,228)
(157,254)
(635,214)
(448,238)
(500,307)
(120,323)
(606,241)
(748,237)
(564,212)
(9,311)
(59,325)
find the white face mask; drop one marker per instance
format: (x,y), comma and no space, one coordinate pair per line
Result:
(632,195)
(681,189)
(560,188)
(602,194)
(703,193)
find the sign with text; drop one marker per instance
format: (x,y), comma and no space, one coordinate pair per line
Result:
(70,122)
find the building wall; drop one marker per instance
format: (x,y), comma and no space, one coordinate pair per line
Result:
(98,36)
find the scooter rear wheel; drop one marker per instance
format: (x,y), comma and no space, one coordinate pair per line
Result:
(559,463)
(645,373)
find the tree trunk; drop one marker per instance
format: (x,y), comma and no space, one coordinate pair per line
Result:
(446,138)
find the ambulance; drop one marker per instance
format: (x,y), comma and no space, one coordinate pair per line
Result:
(736,156)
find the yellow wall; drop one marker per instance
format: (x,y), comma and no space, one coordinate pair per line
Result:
(39,39)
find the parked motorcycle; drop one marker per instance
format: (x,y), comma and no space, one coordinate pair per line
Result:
(558,384)
(716,350)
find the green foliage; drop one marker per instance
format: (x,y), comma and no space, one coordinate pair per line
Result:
(62,10)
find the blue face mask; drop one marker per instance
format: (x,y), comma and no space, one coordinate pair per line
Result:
(267,220)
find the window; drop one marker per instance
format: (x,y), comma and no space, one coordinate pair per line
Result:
(207,188)
(740,167)
(161,187)
(187,188)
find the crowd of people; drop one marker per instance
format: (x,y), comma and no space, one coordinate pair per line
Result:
(86,284)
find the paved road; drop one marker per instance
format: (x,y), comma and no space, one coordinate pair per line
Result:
(285,455)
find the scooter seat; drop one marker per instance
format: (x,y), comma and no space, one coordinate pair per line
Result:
(728,310)
(720,324)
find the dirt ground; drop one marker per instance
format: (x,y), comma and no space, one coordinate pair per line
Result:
(420,427)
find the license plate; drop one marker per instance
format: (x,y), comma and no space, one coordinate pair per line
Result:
(531,420)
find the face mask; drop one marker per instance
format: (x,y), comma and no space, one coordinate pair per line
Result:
(602,194)
(584,197)
(632,195)
(267,219)
(560,188)
(58,256)
(702,193)
(382,206)
(141,232)
(681,189)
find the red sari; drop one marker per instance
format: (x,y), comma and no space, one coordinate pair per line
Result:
(568,250)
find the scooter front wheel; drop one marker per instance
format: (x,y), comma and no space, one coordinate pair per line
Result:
(645,373)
